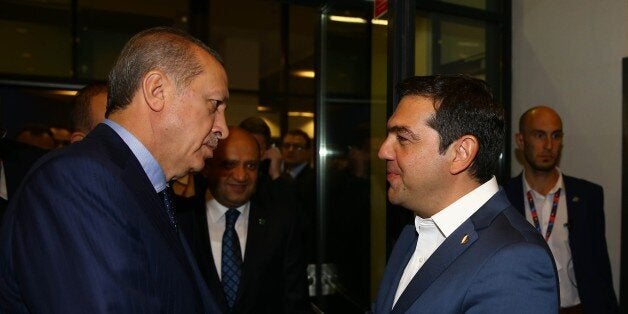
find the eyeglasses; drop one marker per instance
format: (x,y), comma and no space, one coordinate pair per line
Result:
(290,146)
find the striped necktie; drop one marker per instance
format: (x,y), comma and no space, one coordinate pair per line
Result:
(231,258)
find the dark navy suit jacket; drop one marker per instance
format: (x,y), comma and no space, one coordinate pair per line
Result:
(587,240)
(87,233)
(274,271)
(17,158)
(503,267)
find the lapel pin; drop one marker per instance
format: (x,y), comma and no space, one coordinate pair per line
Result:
(575,199)
(261,221)
(465,239)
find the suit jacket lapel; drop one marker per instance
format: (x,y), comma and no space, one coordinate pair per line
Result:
(254,245)
(407,244)
(438,262)
(206,257)
(574,205)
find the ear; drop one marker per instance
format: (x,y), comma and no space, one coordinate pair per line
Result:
(154,89)
(77,136)
(519,140)
(464,151)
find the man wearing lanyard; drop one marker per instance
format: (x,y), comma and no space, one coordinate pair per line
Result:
(567,211)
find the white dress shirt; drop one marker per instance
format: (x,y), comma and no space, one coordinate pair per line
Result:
(434,230)
(216,226)
(558,241)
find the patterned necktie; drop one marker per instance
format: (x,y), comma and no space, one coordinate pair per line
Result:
(231,258)
(166,197)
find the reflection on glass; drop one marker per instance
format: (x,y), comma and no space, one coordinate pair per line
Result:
(344,163)
(36,48)
(463,48)
(422,45)
(444,44)
(377,171)
(477,4)
(105,26)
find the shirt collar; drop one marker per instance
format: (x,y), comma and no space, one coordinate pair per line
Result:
(452,216)
(418,221)
(147,161)
(558,185)
(216,211)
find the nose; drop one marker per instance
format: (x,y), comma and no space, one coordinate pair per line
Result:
(385,153)
(548,142)
(220,125)
(240,174)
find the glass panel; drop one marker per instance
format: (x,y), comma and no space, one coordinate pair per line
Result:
(463,48)
(490,5)
(377,174)
(351,124)
(301,76)
(105,26)
(478,4)
(34,33)
(422,45)
(250,43)
(445,44)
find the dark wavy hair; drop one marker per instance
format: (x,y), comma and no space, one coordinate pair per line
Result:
(464,106)
(165,48)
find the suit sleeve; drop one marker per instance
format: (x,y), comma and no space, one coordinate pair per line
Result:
(519,278)
(76,247)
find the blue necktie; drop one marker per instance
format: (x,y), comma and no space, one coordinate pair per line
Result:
(231,258)
(166,197)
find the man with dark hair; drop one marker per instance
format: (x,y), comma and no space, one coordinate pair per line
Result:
(567,211)
(106,239)
(469,251)
(296,151)
(89,110)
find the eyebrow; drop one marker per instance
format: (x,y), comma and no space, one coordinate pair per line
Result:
(399,129)
(545,131)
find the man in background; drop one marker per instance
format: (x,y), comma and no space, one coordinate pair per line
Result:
(298,181)
(568,212)
(250,253)
(468,251)
(92,229)
(89,110)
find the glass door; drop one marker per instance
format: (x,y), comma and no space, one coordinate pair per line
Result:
(351,118)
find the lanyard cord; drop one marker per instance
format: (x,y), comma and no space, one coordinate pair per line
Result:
(535,216)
